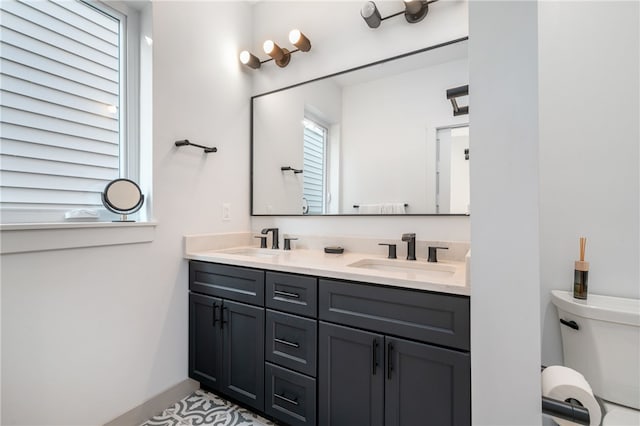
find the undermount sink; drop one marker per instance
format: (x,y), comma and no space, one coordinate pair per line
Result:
(414,269)
(252,252)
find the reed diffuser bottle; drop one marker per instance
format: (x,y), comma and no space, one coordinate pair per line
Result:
(581,273)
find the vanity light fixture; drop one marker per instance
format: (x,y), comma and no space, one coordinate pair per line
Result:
(458,92)
(414,11)
(281,56)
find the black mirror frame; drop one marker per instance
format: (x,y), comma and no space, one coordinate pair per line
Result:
(251,131)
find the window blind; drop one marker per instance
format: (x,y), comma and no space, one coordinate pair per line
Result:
(313,165)
(59,118)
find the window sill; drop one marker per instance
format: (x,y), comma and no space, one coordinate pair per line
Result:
(33,237)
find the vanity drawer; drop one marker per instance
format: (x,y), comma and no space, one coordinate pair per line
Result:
(429,317)
(291,341)
(290,396)
(230,282)
(293,293)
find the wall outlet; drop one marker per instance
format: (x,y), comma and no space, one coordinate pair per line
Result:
(226,211)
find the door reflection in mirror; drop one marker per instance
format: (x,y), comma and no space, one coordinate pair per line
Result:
(452,170)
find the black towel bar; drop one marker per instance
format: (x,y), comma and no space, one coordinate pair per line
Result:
(357,206)
(186,142)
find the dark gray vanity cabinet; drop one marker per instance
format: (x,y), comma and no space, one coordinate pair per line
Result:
(226,335)
(369,375)
(291,348)
(307,351)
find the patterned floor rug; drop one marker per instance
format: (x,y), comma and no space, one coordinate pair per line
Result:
(204,408)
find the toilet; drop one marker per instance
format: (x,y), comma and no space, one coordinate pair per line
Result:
(601,340)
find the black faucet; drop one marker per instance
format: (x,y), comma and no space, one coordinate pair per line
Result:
(411,245)
(274,240)
(433,253)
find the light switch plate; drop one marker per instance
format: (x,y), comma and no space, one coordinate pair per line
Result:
(226,211)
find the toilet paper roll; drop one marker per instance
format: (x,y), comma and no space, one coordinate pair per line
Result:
(562,383)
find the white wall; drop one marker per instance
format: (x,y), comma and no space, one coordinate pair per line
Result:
(505,292)
(345,43)
(88,334)
(589,137)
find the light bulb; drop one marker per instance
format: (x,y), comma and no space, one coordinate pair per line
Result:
(294,36)
(368,9)
(268,46)
(244,57)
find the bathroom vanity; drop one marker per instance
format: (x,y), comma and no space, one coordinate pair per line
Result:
(306,345)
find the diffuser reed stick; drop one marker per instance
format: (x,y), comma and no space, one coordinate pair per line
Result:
(583,247)
(581,273)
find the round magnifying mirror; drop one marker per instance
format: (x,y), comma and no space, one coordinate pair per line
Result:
(123,197)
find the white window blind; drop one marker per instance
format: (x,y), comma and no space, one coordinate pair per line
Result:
(60,127)
(315,137)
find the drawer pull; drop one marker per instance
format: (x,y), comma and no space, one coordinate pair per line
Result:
(286,294)
(284,398)
(285,342)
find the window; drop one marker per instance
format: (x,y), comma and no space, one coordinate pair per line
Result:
(64,117)
(315,141)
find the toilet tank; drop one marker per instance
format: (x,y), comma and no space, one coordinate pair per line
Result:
(605,347)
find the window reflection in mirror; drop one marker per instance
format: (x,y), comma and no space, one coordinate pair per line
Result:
(314,160)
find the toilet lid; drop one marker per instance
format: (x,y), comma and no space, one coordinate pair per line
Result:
(621,417)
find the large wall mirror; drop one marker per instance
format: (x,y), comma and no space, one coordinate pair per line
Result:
(378,139)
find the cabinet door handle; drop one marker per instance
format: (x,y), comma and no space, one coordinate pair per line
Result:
(284,398)
(389,360)
(215,310)
(286,342)
(374,356)
(223,309)
(286,294)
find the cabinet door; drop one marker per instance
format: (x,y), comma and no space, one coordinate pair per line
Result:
(205,340)
(350,377)
(426,385)
(243,361)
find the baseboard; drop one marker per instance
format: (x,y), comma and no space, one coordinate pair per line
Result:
(155,405)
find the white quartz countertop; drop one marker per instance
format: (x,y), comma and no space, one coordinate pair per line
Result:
(318,263)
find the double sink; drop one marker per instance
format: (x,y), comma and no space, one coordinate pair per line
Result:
(415,269)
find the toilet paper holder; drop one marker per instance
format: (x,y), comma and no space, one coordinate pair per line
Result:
(565,410)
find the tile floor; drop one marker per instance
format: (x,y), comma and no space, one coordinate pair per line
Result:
(203,408)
